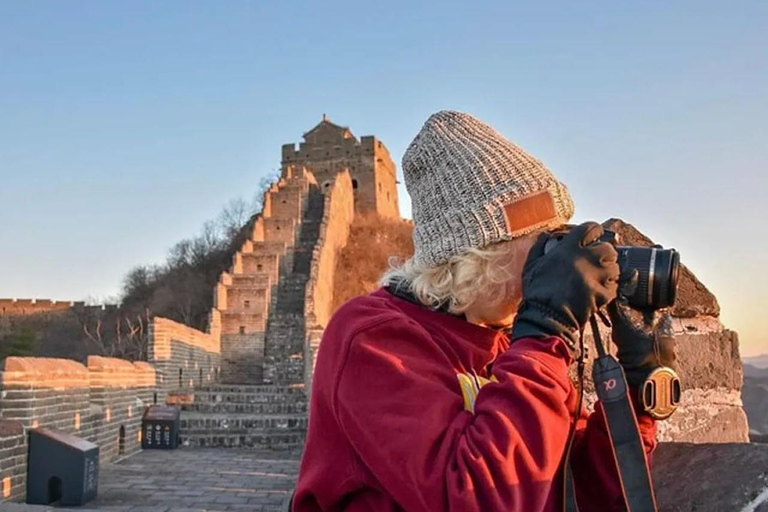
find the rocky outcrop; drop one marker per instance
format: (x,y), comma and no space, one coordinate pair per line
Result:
(708,361)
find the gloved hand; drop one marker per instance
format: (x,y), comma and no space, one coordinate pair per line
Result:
(644,339)
(565,286)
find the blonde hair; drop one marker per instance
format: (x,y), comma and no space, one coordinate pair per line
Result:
(476,275)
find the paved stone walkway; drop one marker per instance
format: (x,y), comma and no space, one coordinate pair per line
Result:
(194,480)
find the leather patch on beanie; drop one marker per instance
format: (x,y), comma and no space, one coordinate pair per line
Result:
(530,212)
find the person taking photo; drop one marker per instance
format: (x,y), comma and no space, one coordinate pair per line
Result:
(448,389)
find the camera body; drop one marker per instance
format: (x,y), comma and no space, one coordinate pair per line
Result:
(648,281)
(657,271)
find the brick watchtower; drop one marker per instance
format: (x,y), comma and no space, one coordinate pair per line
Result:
(329,149)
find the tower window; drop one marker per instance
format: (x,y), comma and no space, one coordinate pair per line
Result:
(246,304)
(354,184)
(379,186)
(242,329)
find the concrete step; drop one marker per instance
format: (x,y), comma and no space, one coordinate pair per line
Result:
(254,423)
(274,440)
(265,408)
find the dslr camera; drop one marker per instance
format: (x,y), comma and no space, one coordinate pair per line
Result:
(657,271)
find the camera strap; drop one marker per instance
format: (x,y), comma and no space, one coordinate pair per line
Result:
(623,431)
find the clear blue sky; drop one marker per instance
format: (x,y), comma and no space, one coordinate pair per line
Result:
(125,125)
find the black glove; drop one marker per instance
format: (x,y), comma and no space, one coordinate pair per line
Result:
(565,286)
(644,338)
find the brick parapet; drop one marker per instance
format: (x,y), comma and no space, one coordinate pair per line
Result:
(102,402)
(163,331)
(185,357)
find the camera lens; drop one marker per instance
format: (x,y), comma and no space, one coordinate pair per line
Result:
(667,270)
(657,271)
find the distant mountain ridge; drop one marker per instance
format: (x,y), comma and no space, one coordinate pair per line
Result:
(760,361)
(754,394)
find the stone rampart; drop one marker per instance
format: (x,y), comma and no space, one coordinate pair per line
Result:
(338,214)
(18,307)
(102,402)
(184,357)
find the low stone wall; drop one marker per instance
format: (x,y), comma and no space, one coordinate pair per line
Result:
(338,214)
(102,402)
(183,357)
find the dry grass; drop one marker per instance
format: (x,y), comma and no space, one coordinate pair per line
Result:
(373,241)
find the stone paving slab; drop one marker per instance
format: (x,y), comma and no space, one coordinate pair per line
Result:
(192,480)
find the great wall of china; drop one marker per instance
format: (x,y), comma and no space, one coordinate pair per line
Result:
(244,382)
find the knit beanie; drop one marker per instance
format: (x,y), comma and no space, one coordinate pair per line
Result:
(470,187)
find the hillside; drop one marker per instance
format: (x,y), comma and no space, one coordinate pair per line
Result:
(760,361)
(373,242)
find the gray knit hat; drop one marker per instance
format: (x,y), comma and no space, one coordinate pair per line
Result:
(470,187)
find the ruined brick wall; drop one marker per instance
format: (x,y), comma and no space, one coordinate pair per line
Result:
(182,356)
(103,403)
(338,214)
(329,149)
(708,362)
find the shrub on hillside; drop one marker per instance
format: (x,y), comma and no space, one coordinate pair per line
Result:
(373,243)
(20,343)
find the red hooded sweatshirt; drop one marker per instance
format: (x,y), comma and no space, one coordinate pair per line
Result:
(399,423)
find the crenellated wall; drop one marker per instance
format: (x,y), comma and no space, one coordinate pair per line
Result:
(13,307)
(102,402)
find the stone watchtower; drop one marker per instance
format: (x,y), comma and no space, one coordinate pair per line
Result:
(329,149)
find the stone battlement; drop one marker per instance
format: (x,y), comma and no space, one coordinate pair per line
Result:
(12,307)
(329,149)
(102,401)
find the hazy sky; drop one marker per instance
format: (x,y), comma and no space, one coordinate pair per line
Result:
(125,125)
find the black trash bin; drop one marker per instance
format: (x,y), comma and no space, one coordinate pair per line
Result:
(160,427)
(62,468)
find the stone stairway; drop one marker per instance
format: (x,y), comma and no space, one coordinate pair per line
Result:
(272,417)
(264,331)
(285,336)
